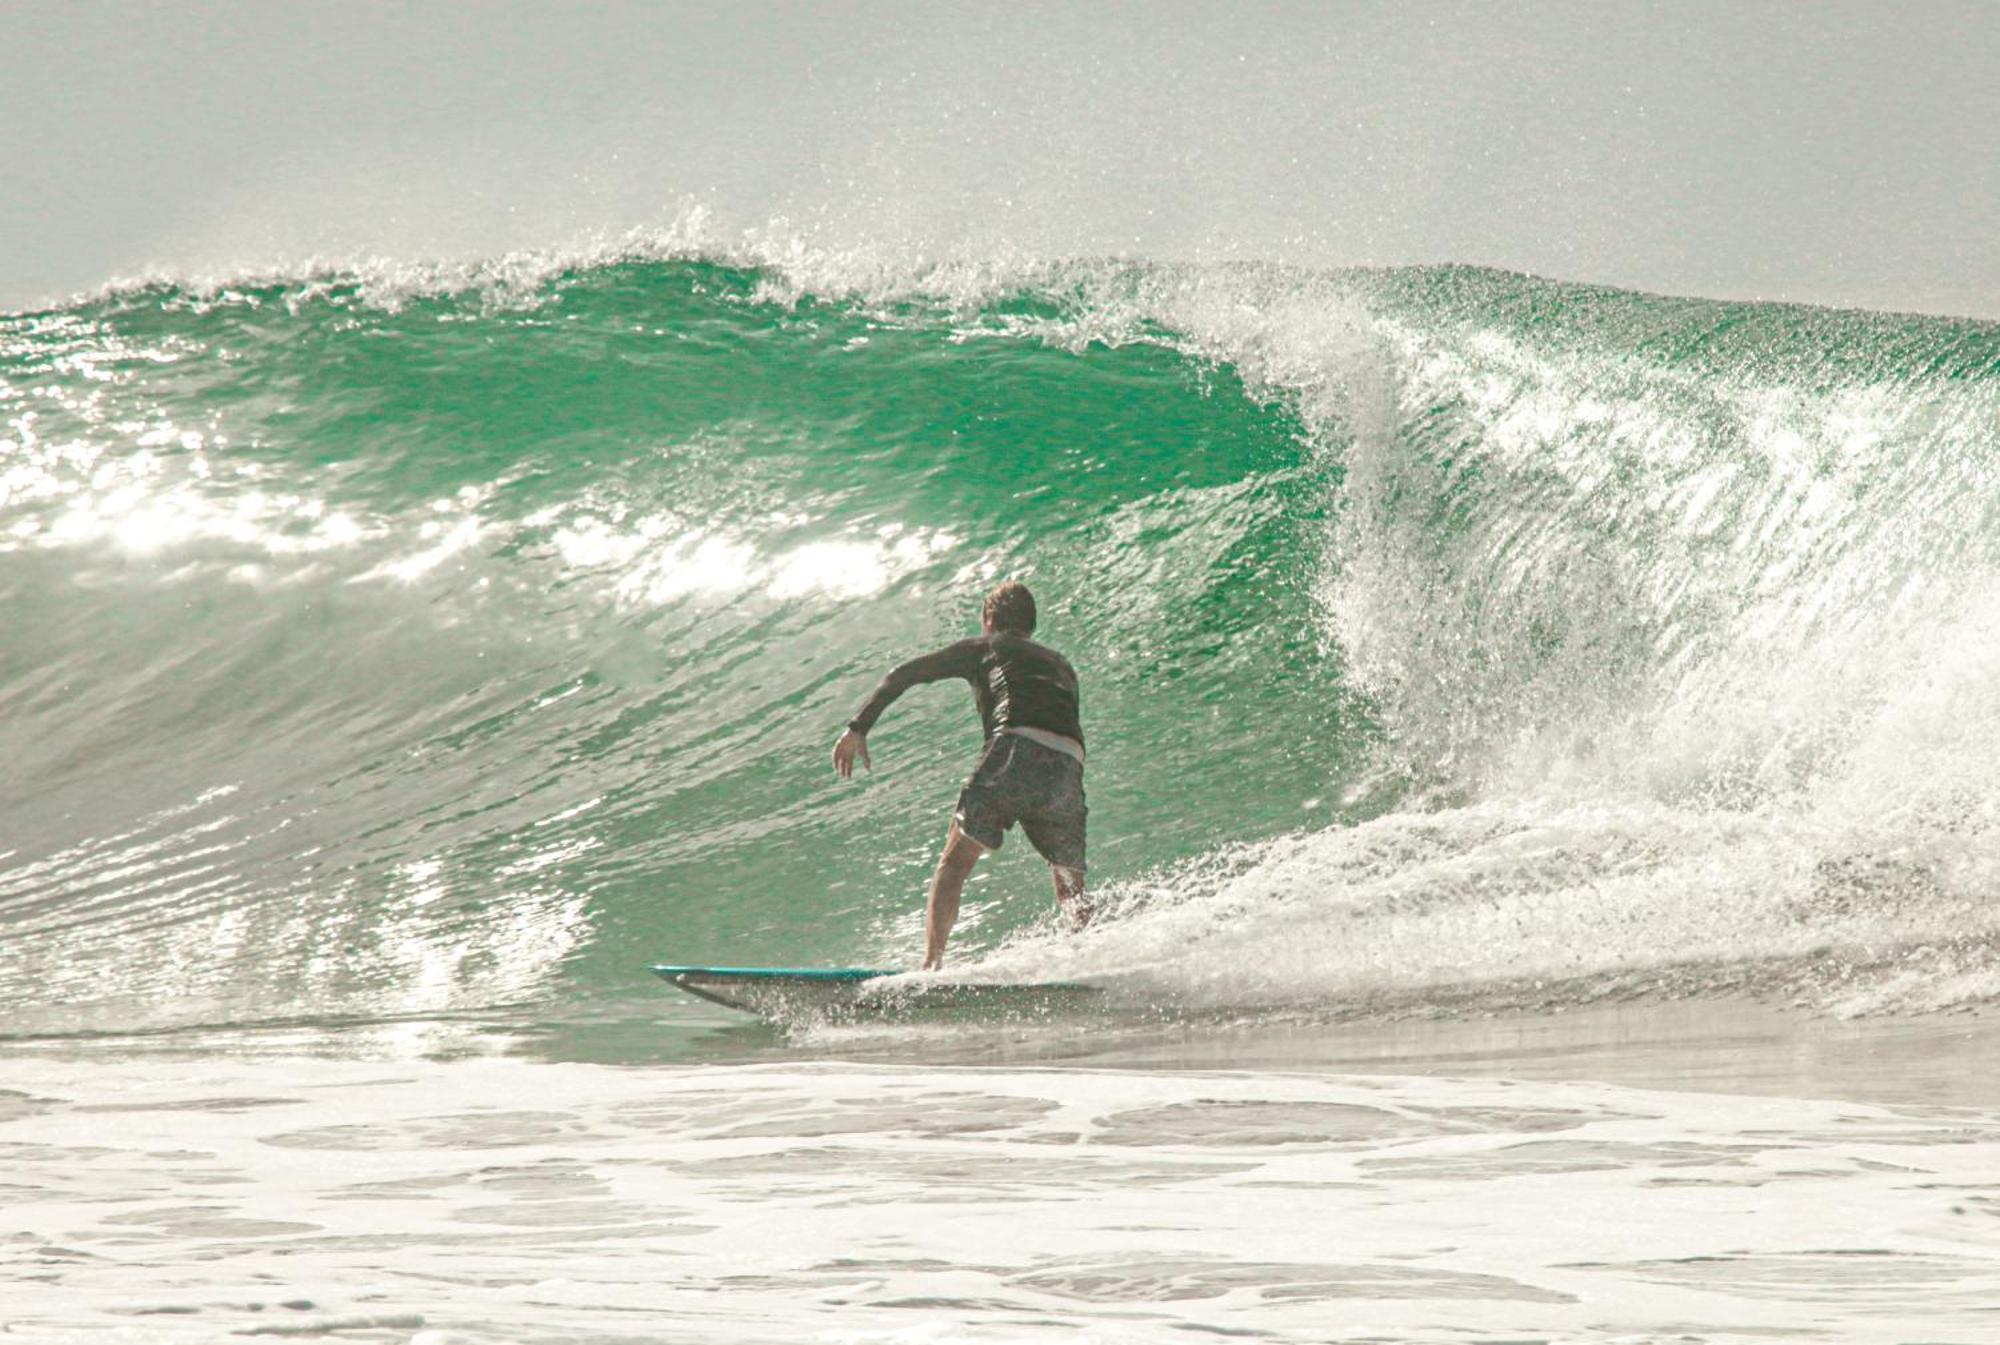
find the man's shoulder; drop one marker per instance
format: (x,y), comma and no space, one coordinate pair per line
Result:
(962,653)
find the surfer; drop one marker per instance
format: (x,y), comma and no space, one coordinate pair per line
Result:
(1030,772)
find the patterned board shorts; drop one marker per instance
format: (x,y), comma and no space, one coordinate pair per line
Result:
(1020,780)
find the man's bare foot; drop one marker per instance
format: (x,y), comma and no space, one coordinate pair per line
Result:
(1071,897)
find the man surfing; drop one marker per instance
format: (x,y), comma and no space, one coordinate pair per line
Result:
(1030,772)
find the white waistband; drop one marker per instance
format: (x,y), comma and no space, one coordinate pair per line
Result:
(1069,747)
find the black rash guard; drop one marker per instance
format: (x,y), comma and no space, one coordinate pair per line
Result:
(1019,684)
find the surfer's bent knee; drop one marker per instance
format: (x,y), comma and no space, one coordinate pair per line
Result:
(960,850)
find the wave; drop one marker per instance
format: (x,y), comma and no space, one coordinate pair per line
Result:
(400,639)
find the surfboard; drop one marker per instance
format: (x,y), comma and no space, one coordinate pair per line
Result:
(791,994)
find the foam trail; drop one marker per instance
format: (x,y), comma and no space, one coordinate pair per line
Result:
(1133,1205)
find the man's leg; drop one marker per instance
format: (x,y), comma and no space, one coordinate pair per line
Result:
(961,852)
(1070,896)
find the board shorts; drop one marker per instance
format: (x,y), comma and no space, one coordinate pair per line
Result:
(1020,780)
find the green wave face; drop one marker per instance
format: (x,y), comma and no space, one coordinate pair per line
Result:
(385,661)
(1441,632)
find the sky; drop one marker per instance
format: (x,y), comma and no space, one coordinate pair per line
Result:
(1835,153)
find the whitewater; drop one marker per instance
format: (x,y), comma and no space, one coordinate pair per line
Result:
(1541,759)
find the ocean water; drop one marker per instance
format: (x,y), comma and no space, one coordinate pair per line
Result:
(1542,783)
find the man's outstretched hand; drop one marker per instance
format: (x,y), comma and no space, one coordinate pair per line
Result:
(850,746)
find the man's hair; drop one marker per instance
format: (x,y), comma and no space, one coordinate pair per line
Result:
(1011,607)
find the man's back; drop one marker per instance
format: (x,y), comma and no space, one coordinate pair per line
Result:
(1018,683)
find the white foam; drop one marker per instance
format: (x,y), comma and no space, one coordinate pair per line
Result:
(501,1201)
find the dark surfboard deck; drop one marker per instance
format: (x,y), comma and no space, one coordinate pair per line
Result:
(790,994)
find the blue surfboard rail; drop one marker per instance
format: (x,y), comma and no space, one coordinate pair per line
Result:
(834,994)
(777,973)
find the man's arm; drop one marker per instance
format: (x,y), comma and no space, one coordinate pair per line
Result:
(954,660)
